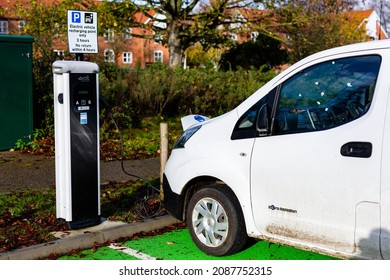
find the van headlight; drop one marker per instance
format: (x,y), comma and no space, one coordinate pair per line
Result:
(185,136)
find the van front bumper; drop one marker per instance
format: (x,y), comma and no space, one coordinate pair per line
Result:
(173,202)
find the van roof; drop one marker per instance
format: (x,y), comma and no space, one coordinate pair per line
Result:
(370,45)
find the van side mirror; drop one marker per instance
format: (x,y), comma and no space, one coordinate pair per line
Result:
(262,121)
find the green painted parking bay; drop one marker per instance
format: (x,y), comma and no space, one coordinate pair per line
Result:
(177,245)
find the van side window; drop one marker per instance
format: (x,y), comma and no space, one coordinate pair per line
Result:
(246,125)
(327,95)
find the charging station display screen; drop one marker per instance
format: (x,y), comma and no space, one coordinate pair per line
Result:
(84,98)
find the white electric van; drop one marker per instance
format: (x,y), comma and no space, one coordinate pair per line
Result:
(304,161)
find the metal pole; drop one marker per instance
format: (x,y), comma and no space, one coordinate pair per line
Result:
(79,57)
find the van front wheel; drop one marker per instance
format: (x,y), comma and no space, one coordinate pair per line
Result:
(215,221)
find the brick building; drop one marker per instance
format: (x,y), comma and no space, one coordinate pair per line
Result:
(370,21)
(130,48)
(125,49)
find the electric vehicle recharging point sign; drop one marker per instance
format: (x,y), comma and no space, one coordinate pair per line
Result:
(82,32)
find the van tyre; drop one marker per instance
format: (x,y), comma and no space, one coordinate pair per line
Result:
(215,221)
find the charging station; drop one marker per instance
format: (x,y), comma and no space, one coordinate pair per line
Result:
(77,157)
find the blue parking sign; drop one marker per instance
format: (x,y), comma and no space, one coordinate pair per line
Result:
(82,31)
(76,17)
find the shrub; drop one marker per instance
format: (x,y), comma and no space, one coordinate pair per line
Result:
(160,90)
(132,94)
(264,51)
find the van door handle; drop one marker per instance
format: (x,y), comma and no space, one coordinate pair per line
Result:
(357,149)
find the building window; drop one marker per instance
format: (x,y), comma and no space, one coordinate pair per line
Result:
(3,27)
(127,33)
(158,39)
(109,55)
(109,36)
(21,25)
(254,36)
(158,56)
(60,53)
(127,57)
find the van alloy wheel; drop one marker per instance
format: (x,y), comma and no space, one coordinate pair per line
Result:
(210,222)
(215,221)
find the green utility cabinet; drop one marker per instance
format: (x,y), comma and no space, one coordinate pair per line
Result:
(16,109)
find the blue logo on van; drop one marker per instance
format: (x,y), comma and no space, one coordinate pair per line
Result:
(199,118)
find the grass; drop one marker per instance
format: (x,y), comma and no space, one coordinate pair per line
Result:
(138,142)
(28,218)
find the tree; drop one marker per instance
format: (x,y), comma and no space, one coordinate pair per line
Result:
(180,23)
(265,51)
(383,9)
(196,56)
(187,22)
(47,24)
(2,11)
(314,25)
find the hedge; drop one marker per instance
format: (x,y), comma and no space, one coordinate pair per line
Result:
(161,91)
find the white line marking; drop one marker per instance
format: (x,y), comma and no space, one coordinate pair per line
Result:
(131,252)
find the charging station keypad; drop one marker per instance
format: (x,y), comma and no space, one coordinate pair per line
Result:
(83,104)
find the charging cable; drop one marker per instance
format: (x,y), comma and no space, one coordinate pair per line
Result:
(142,206)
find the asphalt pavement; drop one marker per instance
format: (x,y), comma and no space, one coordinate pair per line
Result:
(19,171)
